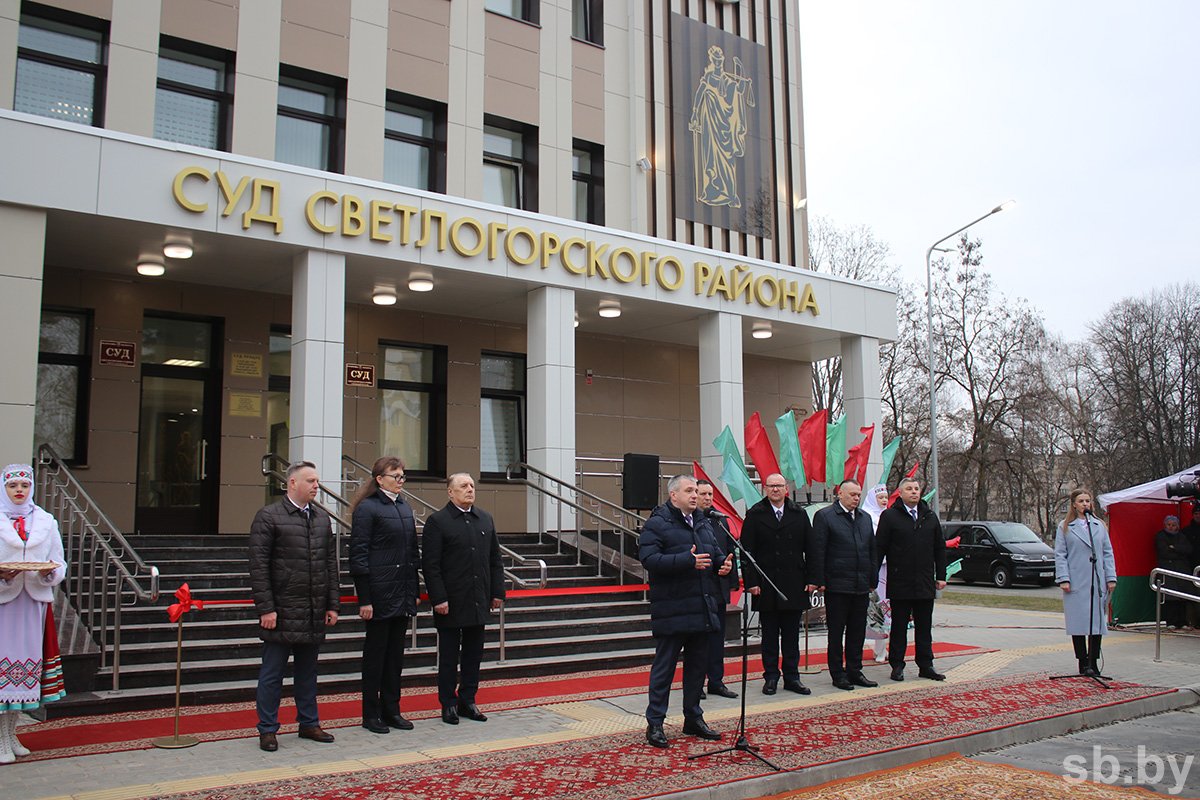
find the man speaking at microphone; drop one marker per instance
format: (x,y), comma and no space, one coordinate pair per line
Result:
(683,563)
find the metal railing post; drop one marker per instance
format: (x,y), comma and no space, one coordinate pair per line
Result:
(502,637)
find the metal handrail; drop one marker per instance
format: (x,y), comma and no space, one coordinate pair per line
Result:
(103,567)
(421,507)
(1156,585)
(617,511)
(270,464)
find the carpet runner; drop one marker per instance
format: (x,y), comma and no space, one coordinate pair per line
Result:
(622,766)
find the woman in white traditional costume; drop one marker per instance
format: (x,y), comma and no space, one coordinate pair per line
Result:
(1086,572)
(879,612)
(31,565)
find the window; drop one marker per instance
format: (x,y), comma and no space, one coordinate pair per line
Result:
(193,99)
(517,9)
(414,145)
(308,131)
(60,68)
(64,375)
(587,171)
(412,395)
(587,20)
(509,165)
(279,385)
(501,412)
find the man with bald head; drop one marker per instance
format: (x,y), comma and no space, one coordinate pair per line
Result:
(776,534)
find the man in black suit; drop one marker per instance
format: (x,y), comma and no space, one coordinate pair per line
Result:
(910,538)
(465,579)
(776,532)
(841,563)
(716,645)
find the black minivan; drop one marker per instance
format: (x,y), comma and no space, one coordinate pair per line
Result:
(1001,552)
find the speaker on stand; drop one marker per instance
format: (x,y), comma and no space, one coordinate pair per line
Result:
(639,481)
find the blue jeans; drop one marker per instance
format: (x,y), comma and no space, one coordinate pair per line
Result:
(304,681)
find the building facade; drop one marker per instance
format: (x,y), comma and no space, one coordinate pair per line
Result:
(465,232)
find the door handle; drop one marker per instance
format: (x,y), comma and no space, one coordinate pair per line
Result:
(204,459)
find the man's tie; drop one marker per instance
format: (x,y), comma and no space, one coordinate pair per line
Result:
(913,512)
(779,515)
(688,519)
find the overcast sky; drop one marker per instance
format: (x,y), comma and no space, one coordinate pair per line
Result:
(922,115)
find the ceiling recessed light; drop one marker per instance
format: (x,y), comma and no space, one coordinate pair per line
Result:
(177,249)
(151,269)
(420,283)
(384,297)
(610,309)
(761,330)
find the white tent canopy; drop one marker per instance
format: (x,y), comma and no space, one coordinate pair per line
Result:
(1154,491)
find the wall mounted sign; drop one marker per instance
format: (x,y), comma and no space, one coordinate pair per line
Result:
(246,365)
(360,374)
(245,404)
(118,354)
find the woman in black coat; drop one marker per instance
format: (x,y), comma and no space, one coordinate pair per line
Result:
(383,562)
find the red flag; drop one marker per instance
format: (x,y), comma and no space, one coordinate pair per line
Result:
(812,445)
(184,595)
(856,463)
(895,495)
(759,450)
(720,503)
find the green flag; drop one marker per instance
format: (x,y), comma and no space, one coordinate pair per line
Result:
(929,497)
(738,483)
(889,455)
(727,446)
(835,452)
(789,449)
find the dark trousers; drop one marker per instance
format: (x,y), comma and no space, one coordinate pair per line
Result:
(921,612)
(781,630)
(454,688)
(716,650)
(304,682)
(382,665)
(662,672)
(1087,648)
(846,615)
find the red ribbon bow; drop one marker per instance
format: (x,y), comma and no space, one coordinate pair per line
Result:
(184,595)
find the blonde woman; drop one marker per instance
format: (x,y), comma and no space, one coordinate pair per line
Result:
(1086,572)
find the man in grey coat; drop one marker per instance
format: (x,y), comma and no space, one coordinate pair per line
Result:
(294,580)
(465,578)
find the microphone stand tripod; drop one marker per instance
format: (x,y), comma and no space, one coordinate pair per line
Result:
(742,744)
(1092,673)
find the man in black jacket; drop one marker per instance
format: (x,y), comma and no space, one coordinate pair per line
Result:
(776,533)
(716,643)
(683,563)
(910,538)
(841,563)
(294,580)
(465,579)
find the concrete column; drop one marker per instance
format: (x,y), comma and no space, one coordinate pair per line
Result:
(23,231)
(318,362)
(860,397)
(556,190)
(366,89)
(721,399)
(256,97)
(10,24)
(464,108)
(550,393)
(132,67)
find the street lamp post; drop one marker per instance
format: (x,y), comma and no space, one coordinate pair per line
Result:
(933,454)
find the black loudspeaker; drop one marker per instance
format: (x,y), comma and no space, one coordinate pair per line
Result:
(639,481)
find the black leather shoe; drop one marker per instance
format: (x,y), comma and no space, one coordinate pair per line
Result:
(769,685)
(471,711)
(268,742)
(315,734)
(797,687)
(931,674)
(449,715)
(897,673)
(375,725)
(858,679)
(840,682)
(398,722)
(655,736)
(698,727)
(721,690)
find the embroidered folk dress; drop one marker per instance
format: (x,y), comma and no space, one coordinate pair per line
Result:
(27,680)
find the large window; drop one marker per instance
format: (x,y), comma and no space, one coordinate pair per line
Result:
(64,373)
(412,394)
(414,146)
(60,68)
(517,9)
(587,20)
(279,386)
(308,131)
(193,99)
(501,412)
(509,164)
(587,172)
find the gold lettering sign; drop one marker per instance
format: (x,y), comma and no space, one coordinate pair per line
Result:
(245,404)
(246,365)
(360,374)
(118,354)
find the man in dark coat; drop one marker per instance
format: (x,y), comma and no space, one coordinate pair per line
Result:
(910,538)
(716,643)
(841,562)
(294,580)
(684,564)
(1192,532)
(1174,552)
(465,579)
(776,533)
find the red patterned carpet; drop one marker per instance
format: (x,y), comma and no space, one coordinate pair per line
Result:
(136,730)
(622,766)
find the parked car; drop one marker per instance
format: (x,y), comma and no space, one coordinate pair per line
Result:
(1001,552)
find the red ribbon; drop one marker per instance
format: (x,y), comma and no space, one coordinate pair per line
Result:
(19,524)
(184,595)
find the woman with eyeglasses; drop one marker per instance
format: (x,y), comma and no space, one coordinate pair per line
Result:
(383,562)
